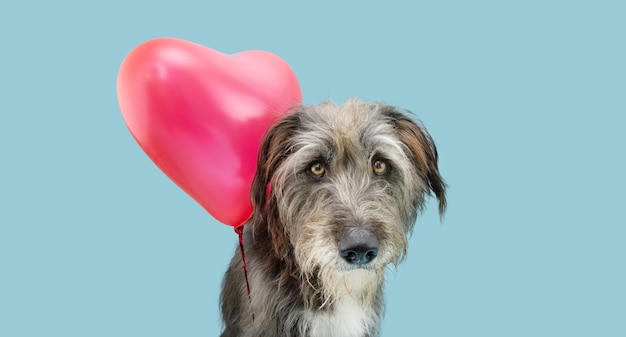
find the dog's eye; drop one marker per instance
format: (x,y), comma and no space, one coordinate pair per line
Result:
(318,169)
(379,167)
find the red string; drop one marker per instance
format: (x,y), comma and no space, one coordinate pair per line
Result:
(239,231)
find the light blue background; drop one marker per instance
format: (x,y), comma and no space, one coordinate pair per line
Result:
(526,102)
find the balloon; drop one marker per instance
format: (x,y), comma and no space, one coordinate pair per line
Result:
(200,115)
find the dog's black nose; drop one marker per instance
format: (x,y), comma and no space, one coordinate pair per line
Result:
(359,246)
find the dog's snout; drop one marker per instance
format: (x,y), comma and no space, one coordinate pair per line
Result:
(359,246)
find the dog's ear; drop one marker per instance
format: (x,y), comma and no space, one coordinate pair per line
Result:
(423,151)
(273,150)
(265,217)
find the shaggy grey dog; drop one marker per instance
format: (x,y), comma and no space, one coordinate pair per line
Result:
(336,192)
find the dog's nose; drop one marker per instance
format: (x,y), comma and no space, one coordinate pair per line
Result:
(359,246)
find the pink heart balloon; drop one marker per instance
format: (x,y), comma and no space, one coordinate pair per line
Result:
(200,115)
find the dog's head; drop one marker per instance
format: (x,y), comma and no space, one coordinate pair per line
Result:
(339,188)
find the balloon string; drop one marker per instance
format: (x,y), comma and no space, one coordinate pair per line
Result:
(239,231)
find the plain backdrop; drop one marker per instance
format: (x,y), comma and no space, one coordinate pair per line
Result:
(525,99)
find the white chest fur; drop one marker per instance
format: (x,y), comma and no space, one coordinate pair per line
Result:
(347,319)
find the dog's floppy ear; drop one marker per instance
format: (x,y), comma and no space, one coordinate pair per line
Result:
(424,153)
(273,150)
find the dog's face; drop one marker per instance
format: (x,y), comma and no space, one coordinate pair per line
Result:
(339,189)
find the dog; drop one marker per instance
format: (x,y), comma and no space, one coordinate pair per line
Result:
(335,196)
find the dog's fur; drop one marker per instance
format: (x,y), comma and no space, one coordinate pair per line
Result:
(300,283)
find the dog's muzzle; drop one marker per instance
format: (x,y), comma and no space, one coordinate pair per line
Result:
(359,247)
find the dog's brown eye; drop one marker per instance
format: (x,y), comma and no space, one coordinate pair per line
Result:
(318,169)
(379,167)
